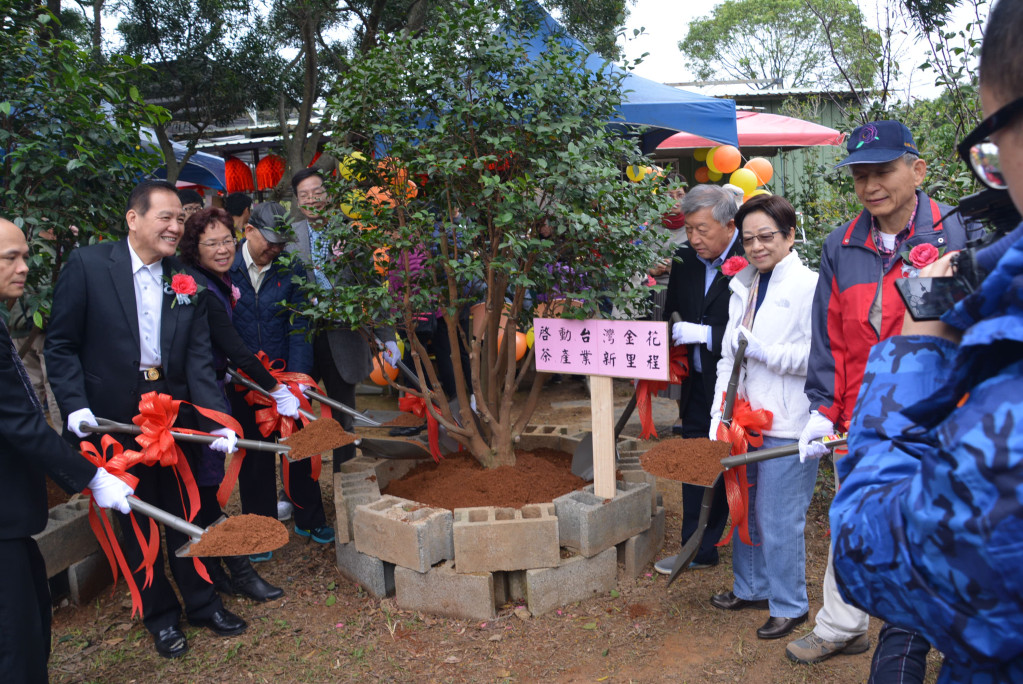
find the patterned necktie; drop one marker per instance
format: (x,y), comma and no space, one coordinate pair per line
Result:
(21,368)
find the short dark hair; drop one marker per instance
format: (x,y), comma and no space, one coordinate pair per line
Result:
(775,206)
(140,194)
(189,196)
(236,203)
(195,226)
(1000,66)
(301,176)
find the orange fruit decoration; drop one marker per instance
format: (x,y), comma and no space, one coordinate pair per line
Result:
(380,197)
(381,259)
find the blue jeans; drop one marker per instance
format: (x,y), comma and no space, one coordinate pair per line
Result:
(774,568)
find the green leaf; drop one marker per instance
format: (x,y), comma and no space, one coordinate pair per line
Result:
(614,593)
(331,600)
(37,319)
(590,625)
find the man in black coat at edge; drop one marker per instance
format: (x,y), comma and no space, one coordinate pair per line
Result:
(30,449)
(698,291)
(117,331)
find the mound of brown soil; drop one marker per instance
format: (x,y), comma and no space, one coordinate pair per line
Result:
(241,535)
(459,481)
(695,461)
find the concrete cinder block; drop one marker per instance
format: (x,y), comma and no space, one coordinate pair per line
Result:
(88,577)
(589,524)
(67,538)
(442,591)
(489,538)
(372,574)
(640,475)
(540,436)
(404,532)
(637,551)
(352,489)
(576,579)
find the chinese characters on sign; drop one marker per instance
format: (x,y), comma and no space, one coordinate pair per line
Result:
(621,349)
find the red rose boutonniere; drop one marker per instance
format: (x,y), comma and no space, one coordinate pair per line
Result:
(183,287)
(733,265)
(921,255)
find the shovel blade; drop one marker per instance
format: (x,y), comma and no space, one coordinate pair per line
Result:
(394,449)
(185,550)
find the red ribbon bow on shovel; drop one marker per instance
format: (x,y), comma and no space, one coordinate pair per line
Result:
(417,407)
(745,430)
(678,370)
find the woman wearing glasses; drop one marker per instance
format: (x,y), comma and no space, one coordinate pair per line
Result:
(208,245)
(771,302)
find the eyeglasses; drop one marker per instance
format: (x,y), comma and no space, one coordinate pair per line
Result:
(980,154)
(217,245)
(318,193)
(765,238)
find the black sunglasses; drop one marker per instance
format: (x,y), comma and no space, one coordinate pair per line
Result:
(980,154)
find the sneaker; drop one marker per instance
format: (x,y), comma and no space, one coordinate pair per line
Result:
(284,509)
(320,535)
(261,557)
(813,649)
(666,565)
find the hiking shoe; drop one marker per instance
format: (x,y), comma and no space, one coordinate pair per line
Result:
(812,649)
(284,509)
(261,557)
(320,535)
(665,565)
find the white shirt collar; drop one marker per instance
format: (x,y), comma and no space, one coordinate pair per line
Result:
(247,258)
(156,268)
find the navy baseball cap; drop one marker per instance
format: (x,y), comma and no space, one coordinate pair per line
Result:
(878,142)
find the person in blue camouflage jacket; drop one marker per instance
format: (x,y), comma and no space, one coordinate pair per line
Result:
(928,523)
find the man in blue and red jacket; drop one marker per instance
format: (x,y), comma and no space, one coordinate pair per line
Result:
(855,307)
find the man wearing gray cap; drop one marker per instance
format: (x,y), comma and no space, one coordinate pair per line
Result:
(263,282)
(856,305)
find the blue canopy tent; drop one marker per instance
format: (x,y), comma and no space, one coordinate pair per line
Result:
(200,169)
(664,110)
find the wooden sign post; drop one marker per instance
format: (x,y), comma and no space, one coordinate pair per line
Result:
(602,350)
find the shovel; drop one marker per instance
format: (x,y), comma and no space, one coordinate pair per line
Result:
(193,531)
(688,551)
(375,446)
(582,457)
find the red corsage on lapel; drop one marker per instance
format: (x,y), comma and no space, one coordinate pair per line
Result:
(183,287)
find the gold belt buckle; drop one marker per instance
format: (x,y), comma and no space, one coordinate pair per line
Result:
(152,374)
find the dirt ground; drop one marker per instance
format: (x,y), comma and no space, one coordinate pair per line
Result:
(327,629)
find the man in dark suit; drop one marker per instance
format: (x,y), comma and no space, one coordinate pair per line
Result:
(118,331)
(29,448)
(698,291)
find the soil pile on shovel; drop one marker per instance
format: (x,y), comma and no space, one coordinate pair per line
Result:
(405,420)
(694,461)
(319,436)
(241,535)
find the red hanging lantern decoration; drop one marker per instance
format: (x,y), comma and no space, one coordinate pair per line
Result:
(269,171)
(237,175)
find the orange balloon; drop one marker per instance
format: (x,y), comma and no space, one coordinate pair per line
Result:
(726,158)
(520,345)
(762,167)
(379,196)
(389,170)
(380,260)
(380,367)
(702,175)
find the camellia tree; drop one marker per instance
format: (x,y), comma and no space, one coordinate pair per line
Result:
(475,173)
(69,143)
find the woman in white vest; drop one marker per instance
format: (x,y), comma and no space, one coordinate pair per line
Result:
(771,305)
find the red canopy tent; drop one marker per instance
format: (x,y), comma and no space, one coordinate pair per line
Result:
(758,129)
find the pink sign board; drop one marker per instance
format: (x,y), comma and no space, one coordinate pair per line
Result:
(620,349)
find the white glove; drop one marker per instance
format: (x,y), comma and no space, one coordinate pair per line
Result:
(714,423)
(76,419)
(110,492)
(287,403)
(228,441)
(817,427)
(755,349)
(391,354)
(689,333)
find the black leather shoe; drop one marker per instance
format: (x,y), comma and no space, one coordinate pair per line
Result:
(729,601)
(170,642)
(222,623)
(777,627)
(247,582)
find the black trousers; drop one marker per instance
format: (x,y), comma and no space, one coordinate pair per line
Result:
(257,479)
(337,388)
(900,657)
(24,612)
(696,423)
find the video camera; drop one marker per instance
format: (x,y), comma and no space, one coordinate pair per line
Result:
(929,298)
